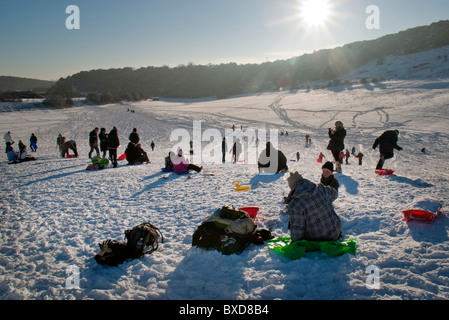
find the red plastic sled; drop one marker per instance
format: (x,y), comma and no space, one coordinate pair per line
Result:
(252,211)
(384,172)
(417,214)
(70,156)
(122,157)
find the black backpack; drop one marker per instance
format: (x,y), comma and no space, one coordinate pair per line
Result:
(142,239)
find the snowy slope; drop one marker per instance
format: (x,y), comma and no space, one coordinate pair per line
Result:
(54,212)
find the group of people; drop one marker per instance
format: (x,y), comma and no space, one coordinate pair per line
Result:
(309,206)
(99,139)
(22,155)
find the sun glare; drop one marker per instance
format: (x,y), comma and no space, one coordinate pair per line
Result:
(315,12)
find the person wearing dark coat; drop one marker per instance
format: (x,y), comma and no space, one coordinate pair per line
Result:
(387,142)
(272,160)
(113,144)
(93,142)
(327,177)
(336,143)
(33,143)
(103,136)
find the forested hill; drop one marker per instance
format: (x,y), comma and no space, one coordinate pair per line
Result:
(8,83)
(195,81)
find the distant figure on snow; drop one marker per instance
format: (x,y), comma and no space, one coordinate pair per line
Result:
(33,143)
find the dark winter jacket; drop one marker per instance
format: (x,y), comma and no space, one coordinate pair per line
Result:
(337,138)
(331,181)
(93,139)
(312,215)
(272,160)
(103,140)
(387,142)
(113,140)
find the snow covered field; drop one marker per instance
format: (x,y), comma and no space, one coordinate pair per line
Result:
(54,212)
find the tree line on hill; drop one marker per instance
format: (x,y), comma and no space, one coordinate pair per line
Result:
(224,80)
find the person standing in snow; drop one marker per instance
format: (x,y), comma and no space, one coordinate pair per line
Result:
(152,145)
(8,139)
(311,213)
(93,142)
(336,143)
(327,177)
(33,143)
(103,136)
(387,142)
(236,150)
(224,147)
(113,144)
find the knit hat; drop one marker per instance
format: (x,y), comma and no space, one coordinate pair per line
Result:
(293,179)
(339,124)
(328,165)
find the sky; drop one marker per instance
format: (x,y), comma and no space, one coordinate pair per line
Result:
(36,43)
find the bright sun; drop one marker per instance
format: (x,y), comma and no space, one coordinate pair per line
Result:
(315,12)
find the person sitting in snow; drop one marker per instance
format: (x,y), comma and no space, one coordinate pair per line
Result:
(182,165)
(327,177)
(135,154)
(311,213)
(168,161)
(272,160)
(10,153)
(386,142)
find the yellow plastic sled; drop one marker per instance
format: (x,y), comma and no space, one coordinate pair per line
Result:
(239,188)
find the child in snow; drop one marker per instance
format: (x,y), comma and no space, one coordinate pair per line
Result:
(182,165)
(311,213)
(360,157)
(327,177)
